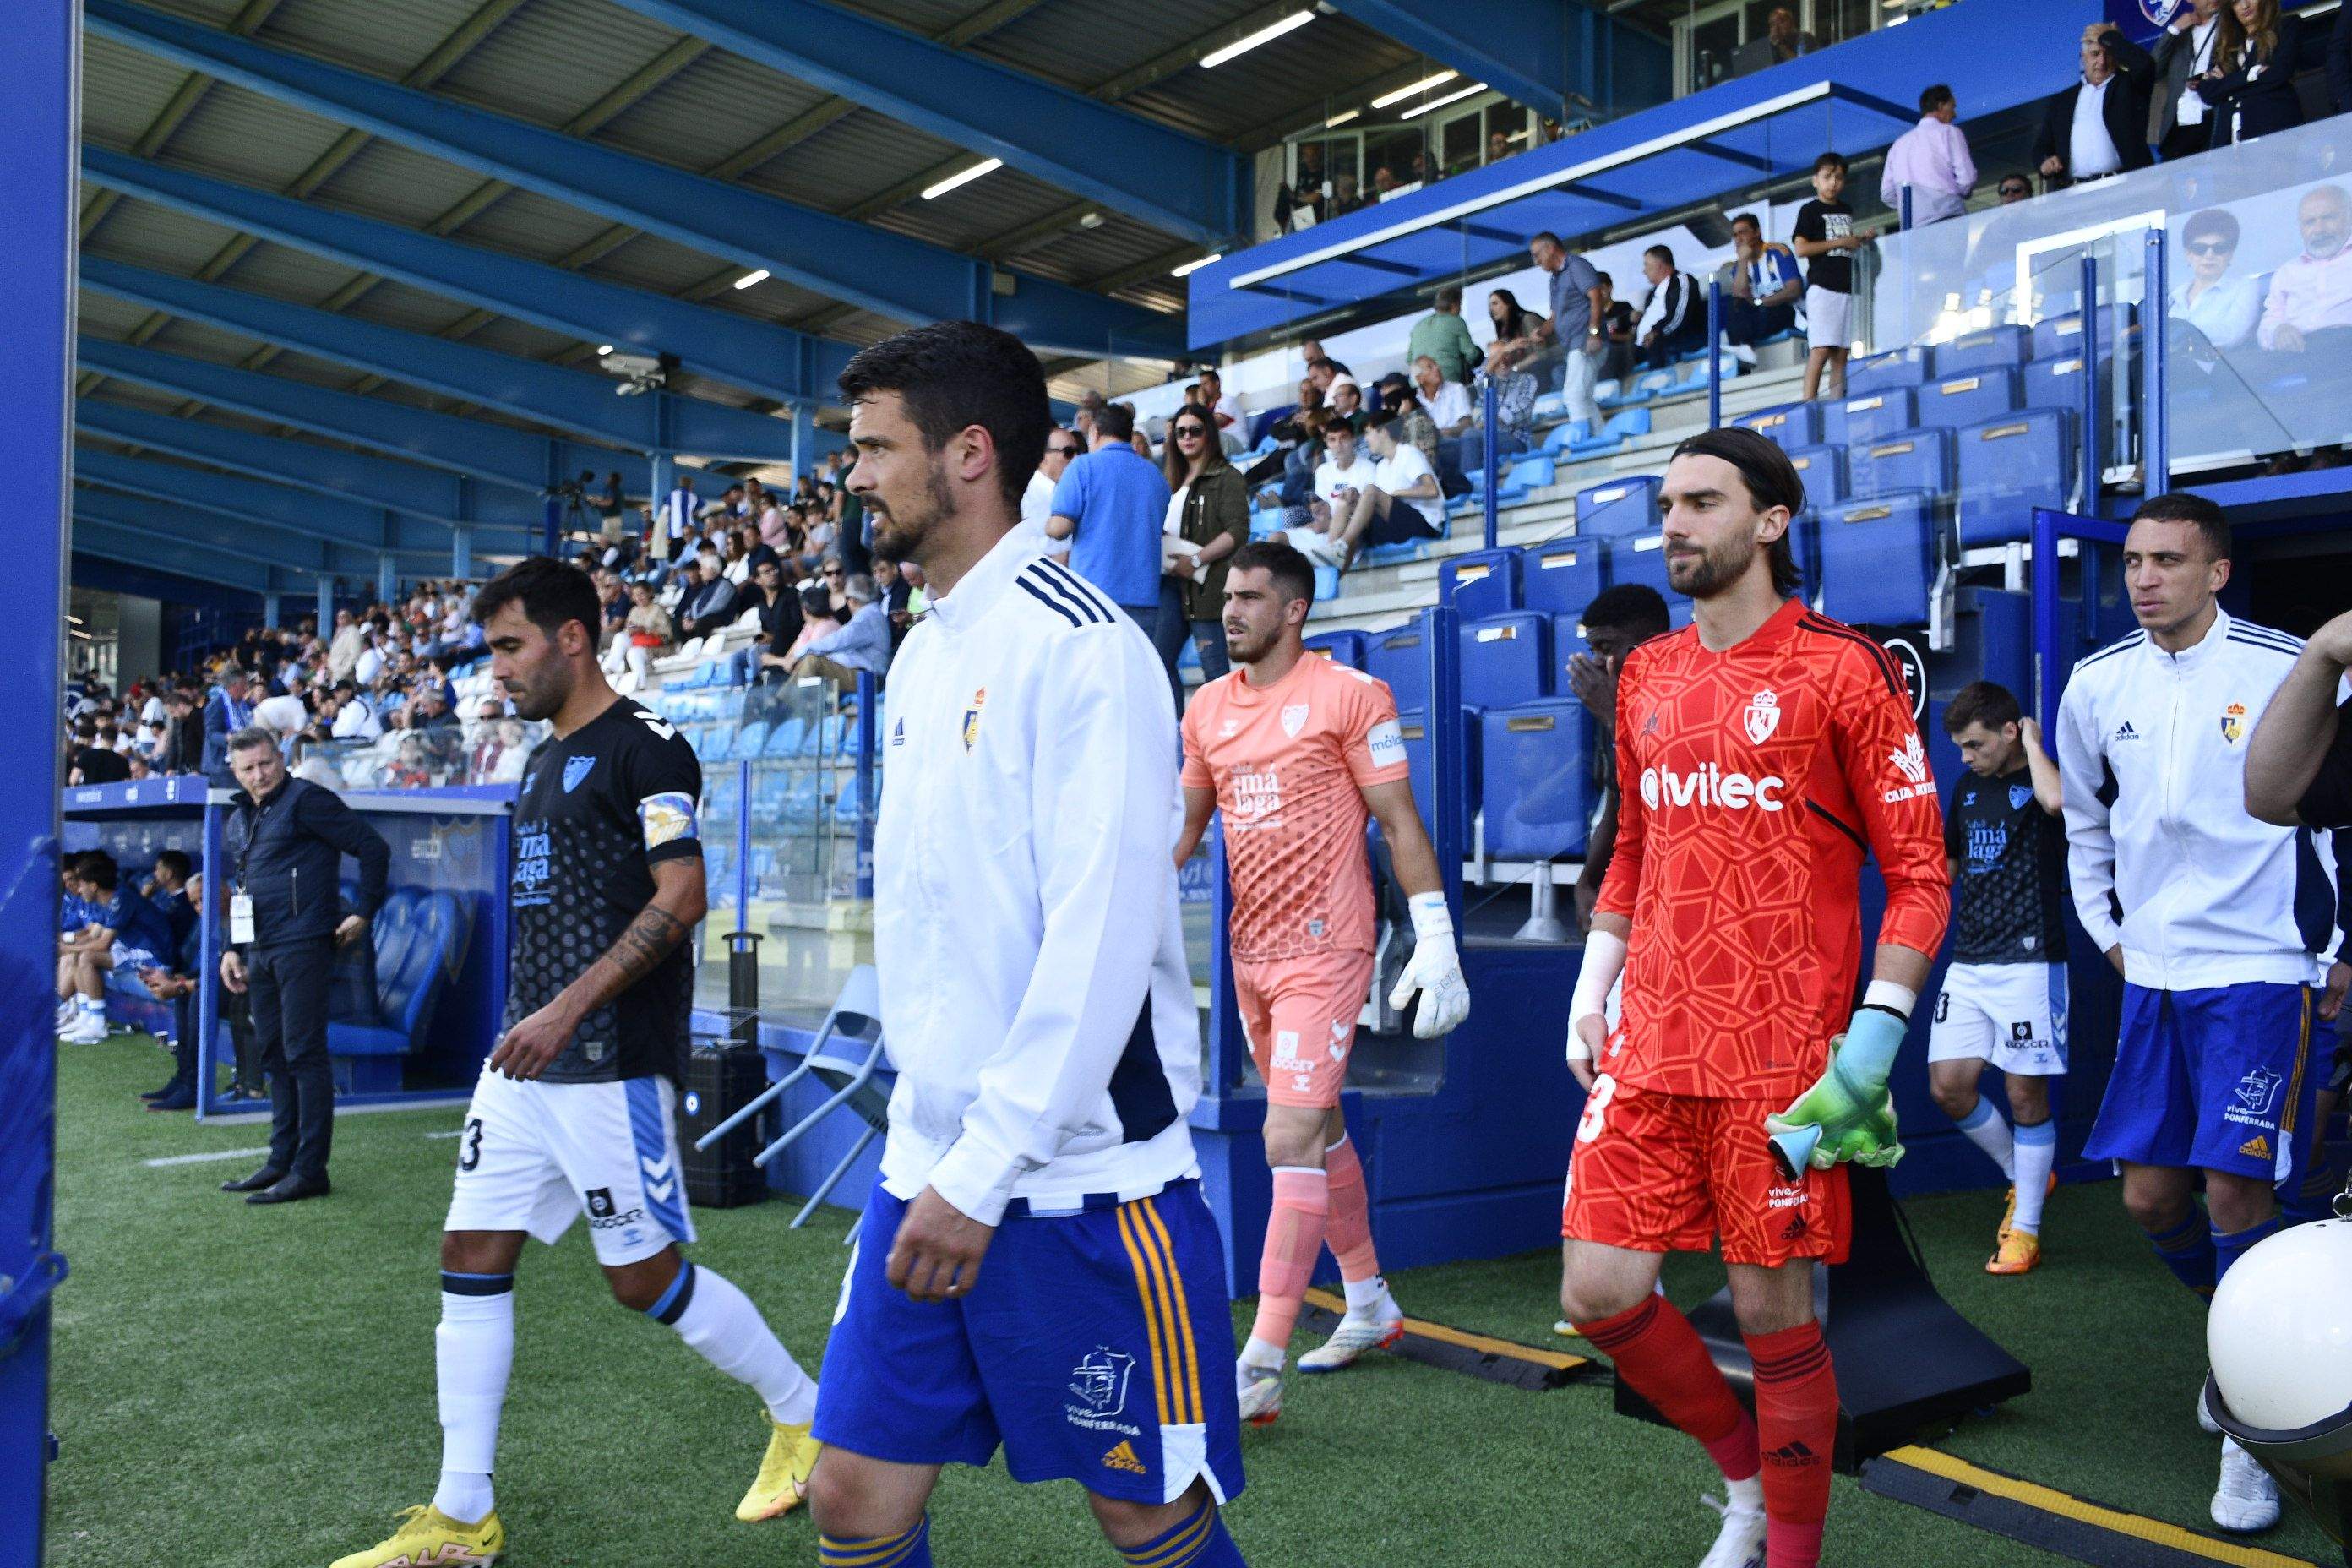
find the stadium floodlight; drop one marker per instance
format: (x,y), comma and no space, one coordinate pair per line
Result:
(1192,266)
(1342,118)
(1456,96)
(757,275)
(1265,35)
(603,349)
(1415,90)
(985,167)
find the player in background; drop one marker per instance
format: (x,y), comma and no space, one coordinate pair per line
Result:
(1764,750)
(1619,620)
(2221,914)
(1299,751)
(1036,1269)
(576,1106)
(2004,996)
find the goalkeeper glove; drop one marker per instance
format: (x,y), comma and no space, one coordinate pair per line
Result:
(1435,971)
(1847,1114)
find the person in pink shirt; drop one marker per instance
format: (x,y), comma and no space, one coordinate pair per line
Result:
(1932,158)
(2309,309)
(1298,753)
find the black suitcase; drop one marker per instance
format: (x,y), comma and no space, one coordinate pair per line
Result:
(720,1079)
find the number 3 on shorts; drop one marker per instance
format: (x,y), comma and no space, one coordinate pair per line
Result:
(1596,1109)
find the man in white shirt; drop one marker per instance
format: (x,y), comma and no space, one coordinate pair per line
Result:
(1447,402)
(2196,904)
(1036,1268)
(2099,126)
(1401,503)
(1062,447)
(1340,478)
(1222,409)
(370,663)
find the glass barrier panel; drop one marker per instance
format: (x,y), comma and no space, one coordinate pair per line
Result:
(477,752)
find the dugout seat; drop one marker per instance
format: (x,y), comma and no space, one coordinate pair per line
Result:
(1523,475)
(1878,560)
(2055,382)
(2010,466)
(1535,762)
(1908,460)
(1563,577)
(417,935)
(1397,658)
(1619,509)
(1970,399)
(1506,659)
(1641,560)
(1869,417)
(1340,647)
(1823,469)
(1988,348)
(1789,426)
(1484,582)
(1898,368)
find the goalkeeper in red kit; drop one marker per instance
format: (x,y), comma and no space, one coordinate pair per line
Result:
(1762,752)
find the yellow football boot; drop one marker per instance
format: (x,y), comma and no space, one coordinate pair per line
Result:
(784,1474)
(2020,1253)
(2009,1209)
(428,1537)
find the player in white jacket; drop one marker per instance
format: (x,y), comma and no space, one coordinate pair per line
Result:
(1036,1268)
(2195,902)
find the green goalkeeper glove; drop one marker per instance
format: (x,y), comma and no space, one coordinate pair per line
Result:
(1848,1113)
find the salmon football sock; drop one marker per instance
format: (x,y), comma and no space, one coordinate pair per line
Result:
(1294,1239)
(1349,1231)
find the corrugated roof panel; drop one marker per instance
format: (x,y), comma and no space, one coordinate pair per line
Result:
(146,399)
(389,304)
(252,140)
(104,316)
(123,90)
(283,272)
(928,17)
(554,58)
(389,182)
(1328,56)
(709,111)
(849,160)
(1084,43)
(150,236)
(385,41)
(522,223)
(972,213)
(651,262)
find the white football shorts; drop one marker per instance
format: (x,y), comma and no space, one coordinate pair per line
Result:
(533,1157)
(2010,1015)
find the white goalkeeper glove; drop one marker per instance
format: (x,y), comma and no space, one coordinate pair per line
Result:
(1435,971)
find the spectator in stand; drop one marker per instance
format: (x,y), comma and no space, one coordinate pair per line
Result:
(2210,309)
(1932,158)
(343,653)
(712,604)
(355,714)
(1090,404)
(1208,520)
(181,748)
(1345,198)
(1342,475)
(1447,402)
(430,708)
(1222,409)
(1674,313)
(897,589)
(1617,319)
(1062,448)
(2251,83)
(1401,503)
(648,634)
(2179,120)
(2099,126)
(1618,621)
(1110,506)
(862,645)
(1826,237)
(125,932)
(1498,146)
(1573,333)
(95,761)
(1442,337)
(2309,310)
(779,611)
(1761,286)
(2015,189)
(1347,403)
(1518,341)
(1786,39)
(225,712)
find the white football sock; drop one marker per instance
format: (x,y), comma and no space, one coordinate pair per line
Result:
(473,1357)
(1747,1496)
(2037,1153)
(1257,1352)
(1989,1131)
(723,1327)
(1365,1297)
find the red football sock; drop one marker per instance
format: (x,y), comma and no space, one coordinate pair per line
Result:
(1796,1418)
(1348,1232)
(1294,1238)
(1660,1356)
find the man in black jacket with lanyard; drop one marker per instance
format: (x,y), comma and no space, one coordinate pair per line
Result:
(285,846)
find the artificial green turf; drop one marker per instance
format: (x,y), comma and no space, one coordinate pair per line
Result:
(254,1387)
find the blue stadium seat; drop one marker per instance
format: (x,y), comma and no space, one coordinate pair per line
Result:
(1340,647)
(1561,437)
(415,934)
(2009,467)
(1642,558)
(718,744)
(1618,429)
(751,739)
(1640,389)
(2055,382)
(1789,426)
(784,740)
(1890,372)
(1988,348)
(1620,508)
(1550,405)
(1397,658)
(1805,545)
(2056,335)
(1413,726)
(1561,578)
(1484,582)
(1909,460)
(1868,416)
(1537,779)
(1969,399)
(1823,469)
(1506,659)
(1692,371)
(1525,475)
(1878,560)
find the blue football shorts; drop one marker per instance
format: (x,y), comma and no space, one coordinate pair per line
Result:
(2212,1080)
(1097,1346)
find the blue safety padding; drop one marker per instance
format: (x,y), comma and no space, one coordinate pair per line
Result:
(1788,427)
(1823,471)
(1340,647)
(1507,658)
(1484,582)
(1987,348)
(1878,560)
(1535,765)
(1868,416)
(1890,372)
(1564,576)
(1906,461)
(1805,545)
(2010,466)
(1397,658)
(1953,401)
(1618,508)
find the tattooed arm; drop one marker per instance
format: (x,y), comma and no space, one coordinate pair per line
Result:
(530,1047)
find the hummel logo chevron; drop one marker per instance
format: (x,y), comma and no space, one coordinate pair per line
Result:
(1123,1458)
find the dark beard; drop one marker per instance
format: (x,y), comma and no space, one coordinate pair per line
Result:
(1714,573)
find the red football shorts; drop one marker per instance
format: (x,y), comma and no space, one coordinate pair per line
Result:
(1299,1016)
(1669,1173)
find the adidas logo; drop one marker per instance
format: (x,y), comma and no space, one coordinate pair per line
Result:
(2255,1148)
(1796,1229)
(1792,1454)
(1123,1458)
(2125,732)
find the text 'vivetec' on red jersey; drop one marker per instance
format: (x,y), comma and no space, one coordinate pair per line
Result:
(1754,783)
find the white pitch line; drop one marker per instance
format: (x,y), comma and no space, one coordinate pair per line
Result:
(204,1159)
(453,1132)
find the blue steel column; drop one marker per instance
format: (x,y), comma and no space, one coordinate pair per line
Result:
(869,729)
(1714,353)
(326,605)
(663,480)
(461,553)
(269,609)
(387,580)
(803,439)
(2156,423)
(40,121)
(1449,829)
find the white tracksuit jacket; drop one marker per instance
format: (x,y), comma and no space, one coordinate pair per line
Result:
(1035,999)
(2152,748)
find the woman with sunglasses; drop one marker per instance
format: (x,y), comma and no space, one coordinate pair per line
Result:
(1208,520)
(2223,309)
